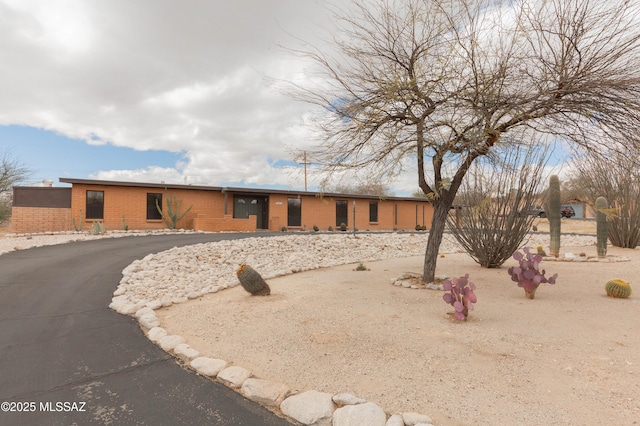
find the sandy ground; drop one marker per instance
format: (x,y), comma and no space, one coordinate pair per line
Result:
(570,356)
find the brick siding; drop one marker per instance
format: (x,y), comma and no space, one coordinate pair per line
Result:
(40,219)
(129,201)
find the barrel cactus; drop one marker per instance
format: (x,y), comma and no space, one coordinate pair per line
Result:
(618,288)
(252,281)
(553,213)
(601,206)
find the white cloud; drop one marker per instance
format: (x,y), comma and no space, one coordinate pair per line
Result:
(187,77)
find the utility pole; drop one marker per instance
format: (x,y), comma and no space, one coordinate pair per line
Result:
(305,163)
(305,171)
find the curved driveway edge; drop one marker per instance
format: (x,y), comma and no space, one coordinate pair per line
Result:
(66,358)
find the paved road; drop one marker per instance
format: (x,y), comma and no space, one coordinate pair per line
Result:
(60,343)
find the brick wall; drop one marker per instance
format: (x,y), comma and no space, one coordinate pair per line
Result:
(40,219)
(132,203)
(225,223)
(321,212)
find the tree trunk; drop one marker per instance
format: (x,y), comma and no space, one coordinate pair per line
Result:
(440,212)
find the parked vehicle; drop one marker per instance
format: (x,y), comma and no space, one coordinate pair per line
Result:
(567,211)
(535,211)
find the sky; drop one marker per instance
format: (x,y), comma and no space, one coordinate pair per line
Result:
(155,90)
(160,90)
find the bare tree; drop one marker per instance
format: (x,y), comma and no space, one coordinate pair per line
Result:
(491,218)
(614,175)
(362,188)
(439,83)
(11,172)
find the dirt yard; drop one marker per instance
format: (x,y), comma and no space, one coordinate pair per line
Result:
(570,356)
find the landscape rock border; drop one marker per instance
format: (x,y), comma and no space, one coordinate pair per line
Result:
(347,410)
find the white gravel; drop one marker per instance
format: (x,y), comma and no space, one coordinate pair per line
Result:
(183,273)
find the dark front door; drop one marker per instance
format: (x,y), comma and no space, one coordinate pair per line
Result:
(247,205)
(342,213)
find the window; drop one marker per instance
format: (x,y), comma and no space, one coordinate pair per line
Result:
(154,200)
(294,212)
(95,204)
(395,214)
(342,212)
(373,211)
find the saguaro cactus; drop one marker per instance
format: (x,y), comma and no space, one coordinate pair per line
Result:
(173,215)
(553,214)
(601,221)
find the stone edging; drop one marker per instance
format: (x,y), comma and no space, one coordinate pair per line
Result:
(309,407)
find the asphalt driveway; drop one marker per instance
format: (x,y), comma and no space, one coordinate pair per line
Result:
(66,358)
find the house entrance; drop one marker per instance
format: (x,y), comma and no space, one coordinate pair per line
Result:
(246,205)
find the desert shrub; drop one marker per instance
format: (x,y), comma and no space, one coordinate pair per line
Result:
(491,219)
(5,211)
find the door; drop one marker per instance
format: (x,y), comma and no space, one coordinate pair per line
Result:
(247,205)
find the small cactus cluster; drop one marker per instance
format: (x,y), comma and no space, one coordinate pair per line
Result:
(252,281)
(460,295)
(528,274)
(618,288)
(98,228)
(541,251)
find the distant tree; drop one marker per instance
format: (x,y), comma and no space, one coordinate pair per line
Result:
(574,189)
(614,175)
(366,188)
(418,194)
(441,83)
(12,172)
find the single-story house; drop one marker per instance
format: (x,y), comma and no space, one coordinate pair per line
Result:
(133,205)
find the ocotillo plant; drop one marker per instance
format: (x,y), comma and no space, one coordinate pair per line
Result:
(553,213)
(601,222)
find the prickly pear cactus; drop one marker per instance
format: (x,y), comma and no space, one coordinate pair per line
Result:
(252,281)
(553,214)
(601,222)
(618,288)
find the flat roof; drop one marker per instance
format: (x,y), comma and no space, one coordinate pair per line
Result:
(235,190)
